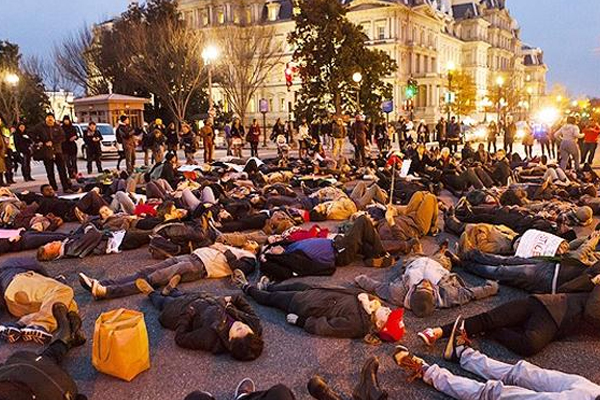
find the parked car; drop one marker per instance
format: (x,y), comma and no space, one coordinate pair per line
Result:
(109,140)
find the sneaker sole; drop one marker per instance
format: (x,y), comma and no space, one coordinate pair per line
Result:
(11,335)
(425,339)
(84,284)
(450,346)
(35,337)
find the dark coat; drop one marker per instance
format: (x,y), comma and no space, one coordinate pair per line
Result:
(69,146)
(279,267)
(93,146)
(23,142)
(359,132)
(208,327)
(333,312)
(125,135)
(569,310)
(43,133)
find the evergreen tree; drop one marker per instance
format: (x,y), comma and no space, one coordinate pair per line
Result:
(329,51)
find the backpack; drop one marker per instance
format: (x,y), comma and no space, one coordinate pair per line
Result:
(161,248)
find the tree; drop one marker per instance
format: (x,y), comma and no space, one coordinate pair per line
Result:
(77,59)
(465,90)
(248,55)
(23,97)
(329,50)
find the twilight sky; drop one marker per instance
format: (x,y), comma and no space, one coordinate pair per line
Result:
(567,30)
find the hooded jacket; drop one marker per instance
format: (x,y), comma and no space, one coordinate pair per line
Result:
(208,328)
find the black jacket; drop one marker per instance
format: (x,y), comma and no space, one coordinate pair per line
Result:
(69,146)
(23,142)
(43,133)
(279,267)
(93,147)
(208,328)
(571,309)
(333,312)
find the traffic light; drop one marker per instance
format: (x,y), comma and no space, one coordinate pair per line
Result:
(411,89)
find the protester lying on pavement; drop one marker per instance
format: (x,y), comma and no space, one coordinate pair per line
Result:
(526,326)
(202,321)
(29,375)
(422,284)
(520,381)
(321,256)
(28,293)
(213,262)
(14,241)
(337,312)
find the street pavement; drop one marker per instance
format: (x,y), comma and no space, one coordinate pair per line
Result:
(291,356)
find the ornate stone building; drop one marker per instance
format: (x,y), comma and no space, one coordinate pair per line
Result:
(425,37)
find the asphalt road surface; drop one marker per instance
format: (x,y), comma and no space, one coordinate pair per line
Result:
(291,356)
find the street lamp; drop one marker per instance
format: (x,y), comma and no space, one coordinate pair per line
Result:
(450,67)
(357,78)
(12,79)
(209,55)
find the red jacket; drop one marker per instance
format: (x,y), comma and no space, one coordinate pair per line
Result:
(591,134)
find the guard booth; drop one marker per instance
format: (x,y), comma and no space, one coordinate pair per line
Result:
(108,108)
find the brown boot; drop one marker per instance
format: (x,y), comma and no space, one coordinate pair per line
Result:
(368,387)
(318,388)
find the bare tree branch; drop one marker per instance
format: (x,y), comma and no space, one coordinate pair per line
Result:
(249,54)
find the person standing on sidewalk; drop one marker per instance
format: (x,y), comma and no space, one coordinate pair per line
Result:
(208,137)
(23,145)
(127,138)
(48,137)
(590,142)
(253,138)
(338,132)
(569,135)
(69,147)
(92,139)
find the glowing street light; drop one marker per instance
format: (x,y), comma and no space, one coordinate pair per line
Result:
(357,77)
(500,81)
(12,79)
(209,55)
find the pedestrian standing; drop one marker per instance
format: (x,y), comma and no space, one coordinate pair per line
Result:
(492,135)
(92,139)
(528,141)
(590,142)
(510,131)
(8,138)
(227,129)
(48,138)
(146,138)
(278,129)
(569,135)
(358,136)
(172,138)
(188,142)
(3,183)
(237,137)
(69,146)
(23,145)
(542,134)
(126,136)
(453,135)
(339,133)
(158,145)
(208,138)
(304,139)
(253,138)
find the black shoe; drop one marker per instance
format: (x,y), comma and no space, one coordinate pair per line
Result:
(63,330)
(368,387)
(319,389)
(77,335)
(244,388)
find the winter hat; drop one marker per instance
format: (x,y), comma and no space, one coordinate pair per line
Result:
(584,214)
(394,329)
(422,302)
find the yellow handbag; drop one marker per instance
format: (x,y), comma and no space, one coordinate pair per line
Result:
(120,346)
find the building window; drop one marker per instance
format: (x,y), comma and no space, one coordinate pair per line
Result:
(220,15)
(380,33)
(249,15)
(282,104)
(205,19)
(236,15)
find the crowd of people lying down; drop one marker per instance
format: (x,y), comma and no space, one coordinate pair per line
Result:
(260,223)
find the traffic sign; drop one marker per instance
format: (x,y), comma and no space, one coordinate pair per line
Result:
(387,106)
(263,105)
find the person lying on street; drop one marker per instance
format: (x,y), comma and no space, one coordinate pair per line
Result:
(423,283)
(212,262)
(320,256)
(28,375)
(336,312)
(22,240)
(28,293)
(526,326)
(500,380)
(202,321)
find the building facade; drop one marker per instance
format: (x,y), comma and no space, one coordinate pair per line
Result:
(429,39)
